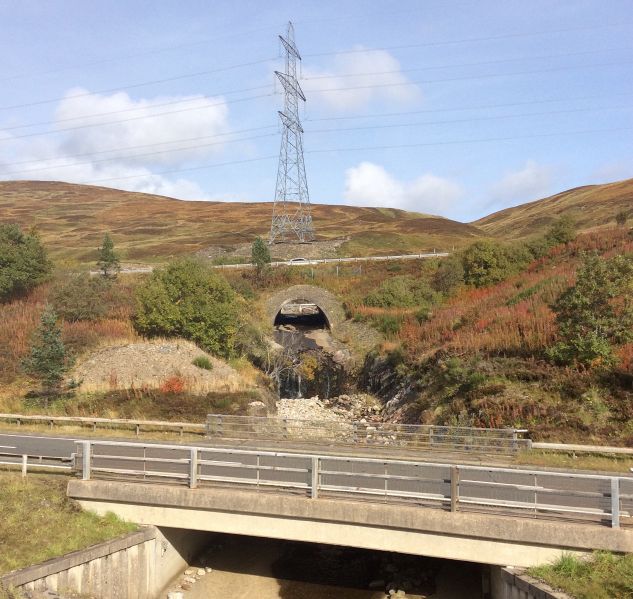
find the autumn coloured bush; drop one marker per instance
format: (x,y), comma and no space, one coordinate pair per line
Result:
(174,385)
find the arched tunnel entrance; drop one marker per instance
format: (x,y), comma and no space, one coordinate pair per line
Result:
(301,313)
(308,352)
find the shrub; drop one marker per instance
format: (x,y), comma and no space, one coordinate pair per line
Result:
(203,362)
(23,262)
(79,297)
(449,275)
(560,231)
(401,292)
(188,299)
(621,218)
(173,385)
(489,262)
(388,324)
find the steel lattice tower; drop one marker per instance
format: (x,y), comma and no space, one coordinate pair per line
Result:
(291,211)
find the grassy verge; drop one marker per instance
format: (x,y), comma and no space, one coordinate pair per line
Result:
(603,576)
(575,461)
(38,521)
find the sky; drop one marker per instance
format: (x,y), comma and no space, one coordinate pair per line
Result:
(449,107)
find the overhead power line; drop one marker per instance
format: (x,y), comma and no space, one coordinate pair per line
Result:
(136,118)
(469,120)
(470,40)
(170,103)
(152,145)
(222,142)
(462,108)
(369,148)
(470,141)
(469,77)
(468,64)
(122,88)
(142,155)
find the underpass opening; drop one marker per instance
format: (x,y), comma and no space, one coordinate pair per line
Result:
(280,569)
(301,313)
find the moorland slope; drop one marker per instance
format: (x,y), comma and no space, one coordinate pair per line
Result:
(71,220)
(589,206)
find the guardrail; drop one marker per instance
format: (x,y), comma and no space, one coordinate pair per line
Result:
(573,448)
(314,261)
(503,490)
(408,436)
(118,423)
(26,461)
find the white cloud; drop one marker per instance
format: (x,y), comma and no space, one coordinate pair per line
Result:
(111,158)
(369,184)
(531,182)
(184,117)
(349,71)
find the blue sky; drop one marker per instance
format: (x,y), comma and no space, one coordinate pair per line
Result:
(456,108)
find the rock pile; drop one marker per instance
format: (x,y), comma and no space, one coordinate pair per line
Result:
(186,581)
(344,408)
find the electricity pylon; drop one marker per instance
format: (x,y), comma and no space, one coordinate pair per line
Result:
(291,210)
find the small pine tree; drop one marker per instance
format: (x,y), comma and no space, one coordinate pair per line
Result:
(108,262)
(260,256)
(621,218)
(49,360)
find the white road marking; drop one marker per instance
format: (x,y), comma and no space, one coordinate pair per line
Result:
(8,447)
(25,436)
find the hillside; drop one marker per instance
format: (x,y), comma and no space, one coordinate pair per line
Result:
(590,206)
(71,219)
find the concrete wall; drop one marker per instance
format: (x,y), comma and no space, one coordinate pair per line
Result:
(508,583)
(139,565)
(481,538)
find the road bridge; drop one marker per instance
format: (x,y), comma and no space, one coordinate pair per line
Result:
(494,516)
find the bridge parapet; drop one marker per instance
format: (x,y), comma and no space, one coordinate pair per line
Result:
(535,494)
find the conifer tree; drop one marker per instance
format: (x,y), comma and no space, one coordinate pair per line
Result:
(49,360)
(108,262)
(260,256)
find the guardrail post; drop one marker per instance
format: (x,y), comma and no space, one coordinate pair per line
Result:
(25,460)
(85,460)
(193,468)
(454,488)
(615,503)
(314,478)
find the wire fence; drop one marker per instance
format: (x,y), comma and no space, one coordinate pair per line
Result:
(404,436)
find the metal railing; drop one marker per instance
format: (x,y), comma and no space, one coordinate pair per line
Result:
(529,493)
(27,461)
(407,436)
(137,426)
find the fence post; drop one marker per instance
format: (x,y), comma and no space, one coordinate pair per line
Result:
(193,468)
(615,503)
(25,459)
(85,460)
(314,478)
(454,488)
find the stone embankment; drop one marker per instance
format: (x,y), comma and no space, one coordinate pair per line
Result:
(344,408)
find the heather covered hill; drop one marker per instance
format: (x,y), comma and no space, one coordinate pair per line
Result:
(589,206)
(71,220)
